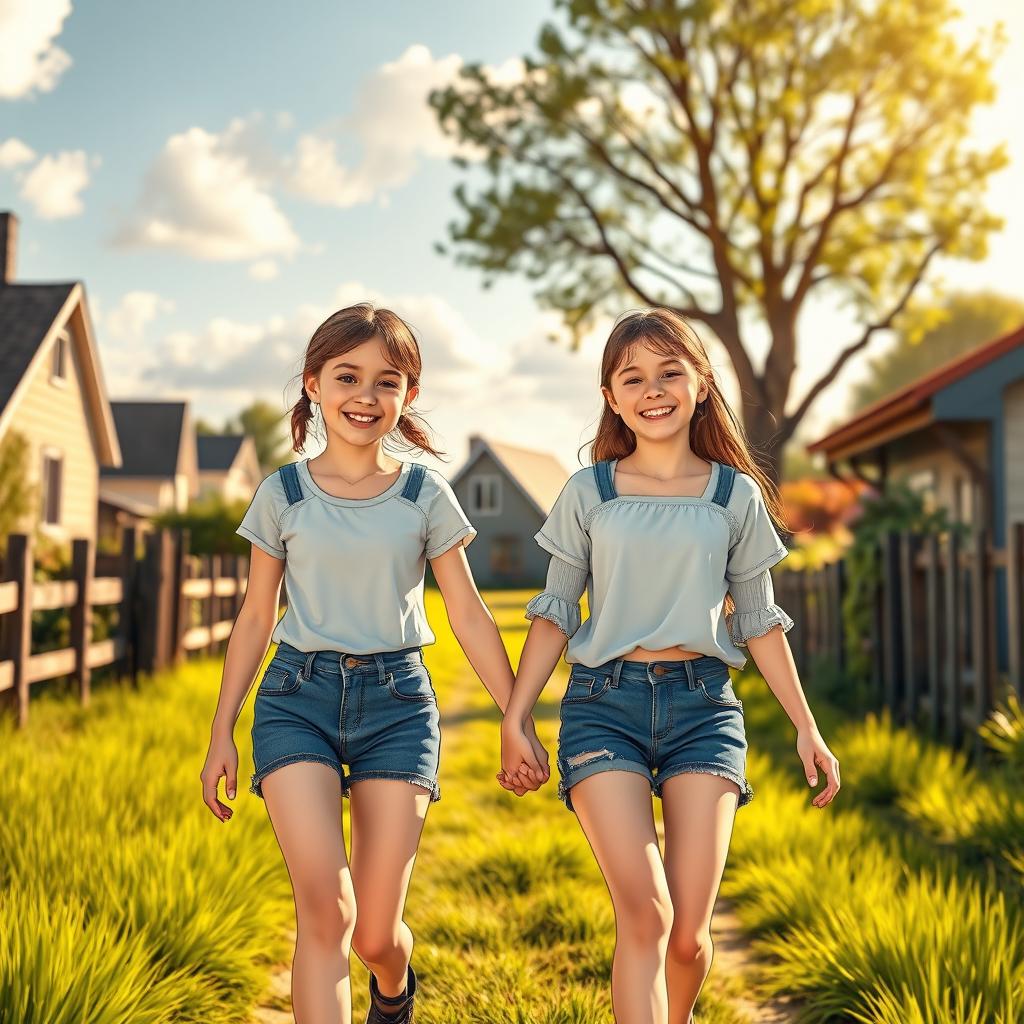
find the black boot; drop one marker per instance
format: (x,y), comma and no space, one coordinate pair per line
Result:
(384,1010)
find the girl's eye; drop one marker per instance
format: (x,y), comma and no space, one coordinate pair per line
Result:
(346,377)
(670,373)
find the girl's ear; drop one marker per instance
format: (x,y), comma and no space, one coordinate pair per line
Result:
(410,396)
(609,398)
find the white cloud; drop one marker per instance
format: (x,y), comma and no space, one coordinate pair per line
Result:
(127,321)
(54,184)
(14,152)
(208,196)
(393,126)
(29,59)
(263,270)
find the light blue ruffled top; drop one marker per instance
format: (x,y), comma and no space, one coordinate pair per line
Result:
(657,569)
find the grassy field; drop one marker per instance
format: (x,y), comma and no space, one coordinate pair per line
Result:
(124,901)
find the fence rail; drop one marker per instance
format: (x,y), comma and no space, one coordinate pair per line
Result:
(934,625)
(168,604)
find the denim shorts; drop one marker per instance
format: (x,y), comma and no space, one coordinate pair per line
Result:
(655,718)
(374,713)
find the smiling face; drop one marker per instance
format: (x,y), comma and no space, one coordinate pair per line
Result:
(361,394)
(655,394)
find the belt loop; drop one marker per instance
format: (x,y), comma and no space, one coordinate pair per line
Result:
(616,672)
(381,672)
(690,676)
(307,669)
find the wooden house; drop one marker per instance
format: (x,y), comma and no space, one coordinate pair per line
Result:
(52,394)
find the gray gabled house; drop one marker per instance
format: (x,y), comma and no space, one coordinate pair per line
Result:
(507,492)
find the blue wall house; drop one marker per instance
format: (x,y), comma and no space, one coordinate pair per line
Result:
(507,492)
(956,435)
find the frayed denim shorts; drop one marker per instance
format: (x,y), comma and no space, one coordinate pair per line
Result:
(374,713)
(655,718)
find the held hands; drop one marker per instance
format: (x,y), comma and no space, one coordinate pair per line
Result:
(222,759)
(524,761)
(813,752)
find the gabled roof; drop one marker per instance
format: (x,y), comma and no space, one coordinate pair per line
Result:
(27,312)
(218,451)
(912,402)
(151,435)
(30,316)
(538,475)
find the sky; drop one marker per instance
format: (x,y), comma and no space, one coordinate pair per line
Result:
(223,176)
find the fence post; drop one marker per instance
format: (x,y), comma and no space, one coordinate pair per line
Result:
(1015,604)
(981,623)
(18,567)
(128,613)
(954,723)
(83,561)
(891,632)
(932,635)
(908,548)
(179,605)
(213,606)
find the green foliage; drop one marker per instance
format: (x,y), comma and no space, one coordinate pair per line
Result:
(269,430)
(1003,732)
(17,495)
(211,522)
(729,159)
(936,334)
(897,508)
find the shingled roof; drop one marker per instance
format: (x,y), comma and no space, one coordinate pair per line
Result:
(30,314)
(218,451)
(151,434)
(27,312)
(539,475)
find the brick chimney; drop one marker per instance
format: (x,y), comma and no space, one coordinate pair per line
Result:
(476,442)
(8,246)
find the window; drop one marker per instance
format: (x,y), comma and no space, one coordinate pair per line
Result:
(50,487)
(506,555)
(922,481)
(485,494)
(59,358)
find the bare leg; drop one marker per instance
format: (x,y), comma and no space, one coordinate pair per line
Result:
(387,820)
(699,811)
(614,808)
(304,803)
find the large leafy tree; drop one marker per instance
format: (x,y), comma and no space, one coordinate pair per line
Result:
(730,159)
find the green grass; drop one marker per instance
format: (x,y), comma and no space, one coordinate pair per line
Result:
(124,900)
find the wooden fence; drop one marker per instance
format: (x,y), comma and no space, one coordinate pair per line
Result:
(934,621)
(168,603)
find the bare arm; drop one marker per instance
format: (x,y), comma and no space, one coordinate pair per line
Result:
(774,660)
(475,629)
(472,623)
(542,650)
(247,646)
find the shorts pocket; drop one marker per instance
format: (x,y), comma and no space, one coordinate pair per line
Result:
(716,688)
(585,686)
(411,684)
(279,680)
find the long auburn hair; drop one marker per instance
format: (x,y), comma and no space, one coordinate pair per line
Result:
(343,331)
(715,433)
